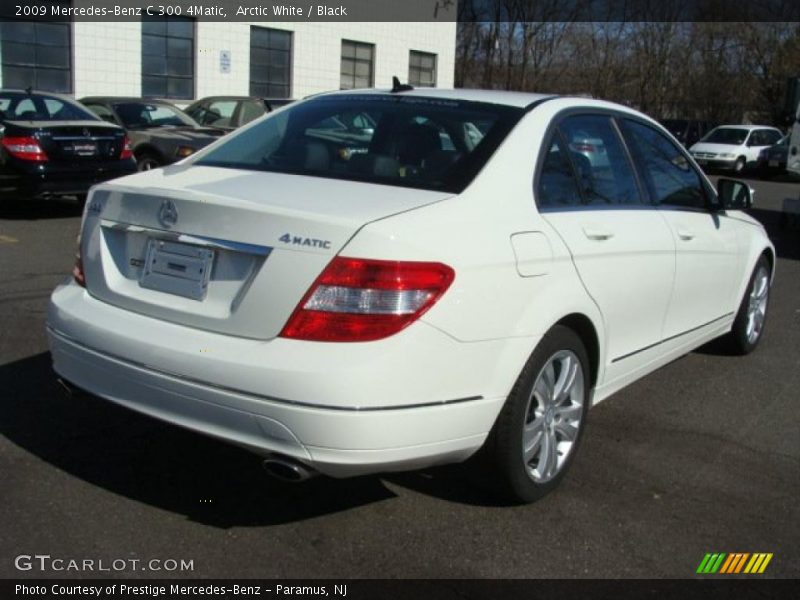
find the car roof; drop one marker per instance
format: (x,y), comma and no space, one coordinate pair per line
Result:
(224,97)
(110,99)
(36,93)
(518,99)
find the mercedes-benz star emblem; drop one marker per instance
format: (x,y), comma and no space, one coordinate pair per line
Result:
(168,213)
(86,132)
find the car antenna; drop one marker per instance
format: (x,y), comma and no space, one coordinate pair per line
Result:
(400,87)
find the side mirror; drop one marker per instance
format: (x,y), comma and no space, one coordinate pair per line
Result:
(734,194)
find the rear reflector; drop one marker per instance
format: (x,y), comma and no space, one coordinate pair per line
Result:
(360,300)
(24,148)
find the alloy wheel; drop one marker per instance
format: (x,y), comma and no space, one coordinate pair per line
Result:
(553,416)
(757,305)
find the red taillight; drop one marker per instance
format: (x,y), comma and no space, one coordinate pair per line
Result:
(360,300)
(126,149)
(77,272)
(24,148)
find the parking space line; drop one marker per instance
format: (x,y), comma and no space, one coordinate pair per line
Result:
(7,239)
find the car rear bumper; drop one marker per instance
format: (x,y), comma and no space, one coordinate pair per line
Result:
(35,183)
(313,425)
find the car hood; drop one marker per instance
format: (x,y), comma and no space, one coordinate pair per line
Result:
(717,148)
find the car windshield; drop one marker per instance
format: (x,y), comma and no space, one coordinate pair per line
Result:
(37,107)
(139,115)
(397,140)
(727,135)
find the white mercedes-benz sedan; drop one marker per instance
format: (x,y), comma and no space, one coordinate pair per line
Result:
(377,281)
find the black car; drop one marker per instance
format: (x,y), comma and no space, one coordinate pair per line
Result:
(52,146)
(687,131)
(230,112)
(772,161)
(160,132)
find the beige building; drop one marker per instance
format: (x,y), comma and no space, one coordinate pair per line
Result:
(183,59)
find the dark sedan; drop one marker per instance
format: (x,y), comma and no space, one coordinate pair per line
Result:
(230,112)
(772,161)
(52,146)
(160,132)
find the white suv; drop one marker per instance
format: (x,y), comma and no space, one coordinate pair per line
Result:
(457,279)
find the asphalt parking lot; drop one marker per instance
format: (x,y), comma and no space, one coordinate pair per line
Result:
(701,456)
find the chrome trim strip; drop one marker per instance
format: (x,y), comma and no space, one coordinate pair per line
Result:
(231,390)
(197,240)
(672,337)
(83,137)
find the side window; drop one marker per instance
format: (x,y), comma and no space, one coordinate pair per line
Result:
(605,174)
(250,111)
(102,111)
(771,137)
(218,113)
(670,178)
(557,184)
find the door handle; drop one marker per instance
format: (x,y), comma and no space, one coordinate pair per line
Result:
(594,233)
(685,234)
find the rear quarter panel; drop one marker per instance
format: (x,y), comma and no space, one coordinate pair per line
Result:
(489,298)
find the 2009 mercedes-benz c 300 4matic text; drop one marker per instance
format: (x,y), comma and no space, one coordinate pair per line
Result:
(387,280)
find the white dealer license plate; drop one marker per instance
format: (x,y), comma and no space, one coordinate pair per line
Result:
(175,268)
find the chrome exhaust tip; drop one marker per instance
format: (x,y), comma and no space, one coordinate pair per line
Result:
(287,469)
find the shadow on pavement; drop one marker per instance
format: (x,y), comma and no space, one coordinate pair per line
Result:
(158,464)
(785,236)
(30,209)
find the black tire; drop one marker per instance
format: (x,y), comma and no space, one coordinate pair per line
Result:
(740,340)
(80,199)
(147,161)
(504,448)
(740,164)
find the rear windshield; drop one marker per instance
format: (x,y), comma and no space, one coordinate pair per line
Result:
(395,140)
(36,107)
(727,135)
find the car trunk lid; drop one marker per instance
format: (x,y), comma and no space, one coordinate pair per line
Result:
(225,250)
(75,142)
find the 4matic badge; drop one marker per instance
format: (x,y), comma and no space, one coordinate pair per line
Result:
(298,240)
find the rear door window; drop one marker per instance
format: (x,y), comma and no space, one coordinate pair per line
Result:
(557,187)
(605,174)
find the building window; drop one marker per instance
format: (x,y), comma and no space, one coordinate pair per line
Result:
(270,62)
(422,69)
(37,55)
(358,65)
(168,57)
